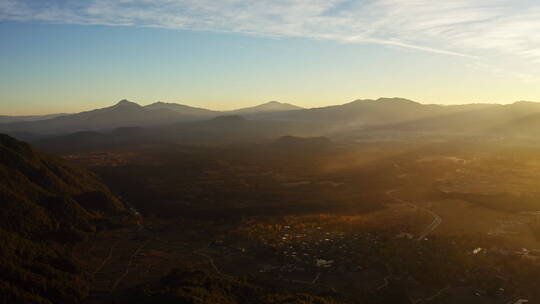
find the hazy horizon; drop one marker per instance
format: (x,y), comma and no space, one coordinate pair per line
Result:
(144,104)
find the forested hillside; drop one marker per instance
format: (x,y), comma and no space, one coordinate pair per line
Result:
(46,206)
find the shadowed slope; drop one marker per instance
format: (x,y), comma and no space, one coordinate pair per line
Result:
(45,204)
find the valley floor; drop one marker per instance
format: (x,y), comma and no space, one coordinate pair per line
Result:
(361,224)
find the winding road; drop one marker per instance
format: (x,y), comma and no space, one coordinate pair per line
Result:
(437,220)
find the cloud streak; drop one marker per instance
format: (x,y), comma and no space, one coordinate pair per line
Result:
(467,28)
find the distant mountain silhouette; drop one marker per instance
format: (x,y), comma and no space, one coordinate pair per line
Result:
(183,109)
(123,114)
(272,106)
(8,119)
(396,114)
(469,119)
(365,112)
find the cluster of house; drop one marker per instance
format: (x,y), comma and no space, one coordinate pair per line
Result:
(311,249)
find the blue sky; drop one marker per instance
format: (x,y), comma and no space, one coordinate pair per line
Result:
(68,56)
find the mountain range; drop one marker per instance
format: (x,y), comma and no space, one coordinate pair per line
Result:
(363,115)
(125,114)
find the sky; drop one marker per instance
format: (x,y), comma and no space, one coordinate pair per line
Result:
(69,56)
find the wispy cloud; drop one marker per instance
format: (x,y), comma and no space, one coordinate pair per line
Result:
(469,28)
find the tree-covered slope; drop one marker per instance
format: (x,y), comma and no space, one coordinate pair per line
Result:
(45,206)
(188,286)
